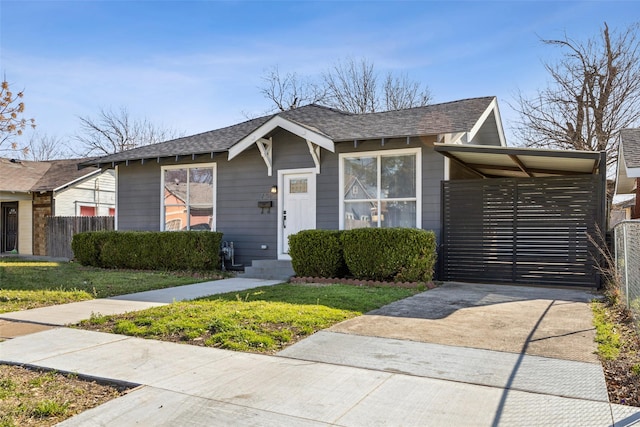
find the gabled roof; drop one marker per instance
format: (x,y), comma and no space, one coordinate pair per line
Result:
(458,117)
(23,176)
(628,160)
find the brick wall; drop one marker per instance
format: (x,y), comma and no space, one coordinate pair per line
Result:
(41,210)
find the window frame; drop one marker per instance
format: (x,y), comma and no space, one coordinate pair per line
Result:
(87,206)
(417,152)
(189,166)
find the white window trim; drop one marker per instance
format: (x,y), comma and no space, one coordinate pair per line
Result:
(80,205)
(382,153)
(190,166)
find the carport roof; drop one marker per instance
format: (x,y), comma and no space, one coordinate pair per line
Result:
(515,162)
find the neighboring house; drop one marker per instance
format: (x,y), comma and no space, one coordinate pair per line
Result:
(628,171)
(314,167)
(32,191)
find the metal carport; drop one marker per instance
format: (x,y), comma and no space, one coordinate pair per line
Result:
(521,215)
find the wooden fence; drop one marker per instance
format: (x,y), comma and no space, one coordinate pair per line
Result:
(60,231)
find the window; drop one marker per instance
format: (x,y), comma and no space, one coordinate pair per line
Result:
(112,211)
(188,197)
(380,189)
(87,211)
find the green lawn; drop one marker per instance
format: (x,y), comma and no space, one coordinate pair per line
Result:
(264,319)
(31,284)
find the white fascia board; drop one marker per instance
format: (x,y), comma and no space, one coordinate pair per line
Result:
(75,181)
(453,138)
(625,177)
(491,108)
(633,172)
(275,122)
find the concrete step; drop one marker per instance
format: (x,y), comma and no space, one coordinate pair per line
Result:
(269,270)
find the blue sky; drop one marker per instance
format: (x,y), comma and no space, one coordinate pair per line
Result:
(197,65)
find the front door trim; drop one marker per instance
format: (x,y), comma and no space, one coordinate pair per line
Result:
(312,187)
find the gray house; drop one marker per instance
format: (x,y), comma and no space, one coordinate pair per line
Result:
(275,175)
(318,168)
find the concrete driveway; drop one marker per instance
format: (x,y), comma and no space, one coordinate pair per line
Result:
(545,322)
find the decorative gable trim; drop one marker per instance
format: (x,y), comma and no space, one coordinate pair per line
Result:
(280,122)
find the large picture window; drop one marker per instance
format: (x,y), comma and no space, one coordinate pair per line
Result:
(380,189)
(188,201)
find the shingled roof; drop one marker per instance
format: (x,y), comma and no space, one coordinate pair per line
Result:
(630,140)
(24,176)
(339,126)
(628,160)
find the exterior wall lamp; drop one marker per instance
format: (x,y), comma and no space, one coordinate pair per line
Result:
(274,189)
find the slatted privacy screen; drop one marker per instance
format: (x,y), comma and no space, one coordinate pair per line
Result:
(521,230)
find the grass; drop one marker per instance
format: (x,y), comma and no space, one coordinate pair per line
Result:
(263,320)
(29,284)
(34,397)
(607,337)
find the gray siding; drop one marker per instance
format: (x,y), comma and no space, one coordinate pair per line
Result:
(138,197)
(242,182)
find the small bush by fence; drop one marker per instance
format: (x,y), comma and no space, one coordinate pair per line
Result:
(383,254)
(61,229)
(627,259)
(147,250)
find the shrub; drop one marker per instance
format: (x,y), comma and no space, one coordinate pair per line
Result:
(317,253)
(87,247)
(400,254)
(180,250)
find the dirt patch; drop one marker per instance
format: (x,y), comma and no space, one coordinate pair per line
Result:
(10,329)
(44,398)
(623,373)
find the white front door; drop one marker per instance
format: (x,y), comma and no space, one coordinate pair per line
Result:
(298,207)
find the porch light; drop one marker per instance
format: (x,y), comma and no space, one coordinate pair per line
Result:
(274,189)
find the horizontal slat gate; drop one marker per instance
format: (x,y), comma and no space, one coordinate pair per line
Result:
(521,230)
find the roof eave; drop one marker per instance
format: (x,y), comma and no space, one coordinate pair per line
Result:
(280,122)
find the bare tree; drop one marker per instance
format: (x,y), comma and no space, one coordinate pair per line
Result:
(46,147)
(289,91)
(11,121)
(401,93)
(350,85)
(114,131)
(593,93)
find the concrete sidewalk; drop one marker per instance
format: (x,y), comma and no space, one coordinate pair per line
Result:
(186,385)
(66,314)
(330,378)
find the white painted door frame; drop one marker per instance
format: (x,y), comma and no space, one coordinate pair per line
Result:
(310,174)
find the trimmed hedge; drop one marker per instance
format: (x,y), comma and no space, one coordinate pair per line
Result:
(87,246)
(380,254)
(146,250)
(402,254)
(317,253)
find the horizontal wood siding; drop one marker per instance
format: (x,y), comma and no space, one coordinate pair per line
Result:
(138,195)
(528,231)
(243,182)
(97,191)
